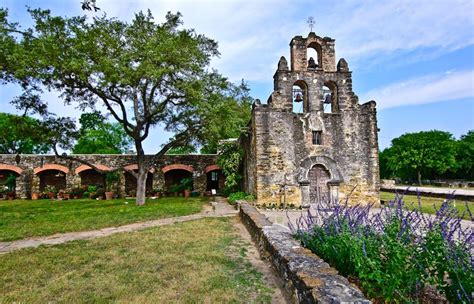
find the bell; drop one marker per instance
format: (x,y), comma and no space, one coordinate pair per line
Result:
(298,98)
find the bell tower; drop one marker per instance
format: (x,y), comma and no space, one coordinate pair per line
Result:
(313,139)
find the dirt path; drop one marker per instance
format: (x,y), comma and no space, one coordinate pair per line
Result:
(280,296)
(218,207)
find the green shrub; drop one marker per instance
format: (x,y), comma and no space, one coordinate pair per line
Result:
(395,253)
(233,197)
(91,188)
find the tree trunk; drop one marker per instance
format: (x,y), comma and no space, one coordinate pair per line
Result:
(141,187)
(142,174)
(419,176)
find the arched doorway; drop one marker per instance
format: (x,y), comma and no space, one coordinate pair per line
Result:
(174,177)
(91,177)
(318,184)
(215,180)
(8,180)
(52,177)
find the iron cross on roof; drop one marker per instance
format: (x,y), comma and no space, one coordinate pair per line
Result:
(311,23)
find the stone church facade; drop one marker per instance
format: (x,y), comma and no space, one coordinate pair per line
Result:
(312,141)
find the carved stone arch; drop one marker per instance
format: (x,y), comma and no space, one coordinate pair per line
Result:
(211,168)
(86,167)
(177,167)
(326,162)
(46,167)
(304,179)
(15,169)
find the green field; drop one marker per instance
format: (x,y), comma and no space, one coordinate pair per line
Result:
(22,219)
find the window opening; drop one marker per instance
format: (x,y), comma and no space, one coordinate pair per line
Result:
(317,138)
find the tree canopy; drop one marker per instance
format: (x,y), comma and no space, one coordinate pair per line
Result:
(428,154)
(19,134)
(98,136)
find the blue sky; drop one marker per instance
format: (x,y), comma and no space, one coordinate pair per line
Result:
(415,58)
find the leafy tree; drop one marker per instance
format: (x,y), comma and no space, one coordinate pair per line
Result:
(385,171)
(142,72)
(230,159)
(227,115)
(19,134)
(465,156)
(425,152)
(97,136)
(182,150)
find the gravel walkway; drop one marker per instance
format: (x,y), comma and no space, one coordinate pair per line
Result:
(218,207)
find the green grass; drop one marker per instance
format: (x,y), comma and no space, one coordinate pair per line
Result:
(201,261)
(428,203)
(22,219)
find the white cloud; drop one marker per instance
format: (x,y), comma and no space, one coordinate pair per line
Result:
(427,89)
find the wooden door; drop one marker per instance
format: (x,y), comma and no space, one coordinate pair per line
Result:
(319,189)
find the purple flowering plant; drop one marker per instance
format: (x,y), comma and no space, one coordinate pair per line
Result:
(395,253)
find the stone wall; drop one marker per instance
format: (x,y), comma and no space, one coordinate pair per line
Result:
(307,277)
(30,169)
(280,144)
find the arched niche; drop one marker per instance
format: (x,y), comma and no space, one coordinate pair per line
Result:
(330,100)
(300,97)
(314,50)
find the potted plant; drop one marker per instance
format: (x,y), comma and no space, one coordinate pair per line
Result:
(66,195)
(76,192)
(111,180)
(10,184)
(187,185)
(98,194)
(91,189)
(34,196)
(50,191)
(157,192)
(3,190)
(175,189)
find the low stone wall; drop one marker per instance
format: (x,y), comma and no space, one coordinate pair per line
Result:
(452,194)
(307,277)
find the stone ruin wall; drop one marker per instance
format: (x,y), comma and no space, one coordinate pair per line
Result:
(28,181)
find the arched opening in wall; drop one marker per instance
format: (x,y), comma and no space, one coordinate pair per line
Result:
(313,56)
(131,184)
(318,181)
(52,178)
(215,180)
(91,177)
(174,178)
(330,99)
(8,182)
(300,97)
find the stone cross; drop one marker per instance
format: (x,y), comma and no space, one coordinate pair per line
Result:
(311,23)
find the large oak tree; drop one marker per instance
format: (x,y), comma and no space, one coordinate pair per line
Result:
(142,72)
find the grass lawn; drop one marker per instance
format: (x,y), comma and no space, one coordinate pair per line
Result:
(22,219)
(201,261)
(428,203)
